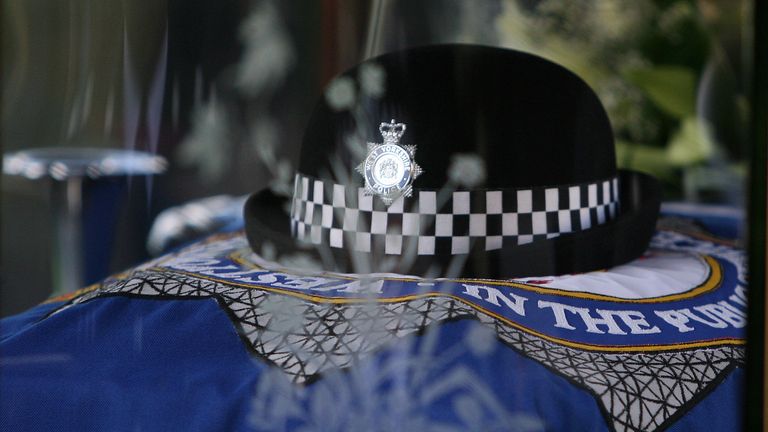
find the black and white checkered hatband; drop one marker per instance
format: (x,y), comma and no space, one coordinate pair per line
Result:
(443,222)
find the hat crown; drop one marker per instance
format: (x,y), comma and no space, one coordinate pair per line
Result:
(533,122)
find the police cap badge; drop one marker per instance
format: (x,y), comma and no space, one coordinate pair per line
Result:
(389,168)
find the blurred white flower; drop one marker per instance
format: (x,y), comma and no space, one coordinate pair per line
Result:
(207,146)
(282,183)
(466,169)
(300,260)
(268,54)
(356,145)
(480,340)
(372,80)
(268,251)
(341,93)
(264,139)
(285,313)
(275,400)
(469,411)
(624,102)
(473,22)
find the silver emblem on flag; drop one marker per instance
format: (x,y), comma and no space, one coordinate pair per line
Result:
(389,169)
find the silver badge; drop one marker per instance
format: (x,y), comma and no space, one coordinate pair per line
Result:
(389,168)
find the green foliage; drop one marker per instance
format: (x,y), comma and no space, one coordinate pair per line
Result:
(670,88)
(645,158)
(691,144)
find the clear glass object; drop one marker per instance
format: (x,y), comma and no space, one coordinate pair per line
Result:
(68,167)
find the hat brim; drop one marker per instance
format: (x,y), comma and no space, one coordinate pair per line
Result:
(619,241)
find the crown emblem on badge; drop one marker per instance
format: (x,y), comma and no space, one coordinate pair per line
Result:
(389,169)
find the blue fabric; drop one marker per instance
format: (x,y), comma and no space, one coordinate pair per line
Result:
(131,364)
(727,222)
(13,324)
(121,363)
(182,344)
(721,410)
(127,364)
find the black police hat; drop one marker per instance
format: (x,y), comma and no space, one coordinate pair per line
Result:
(513,173)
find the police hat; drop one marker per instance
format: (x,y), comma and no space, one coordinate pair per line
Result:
(460,161)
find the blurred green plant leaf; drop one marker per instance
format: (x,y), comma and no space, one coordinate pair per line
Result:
(645,158)
(671,88)
(691,144)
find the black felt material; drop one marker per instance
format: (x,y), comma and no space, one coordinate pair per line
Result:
(534,122)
